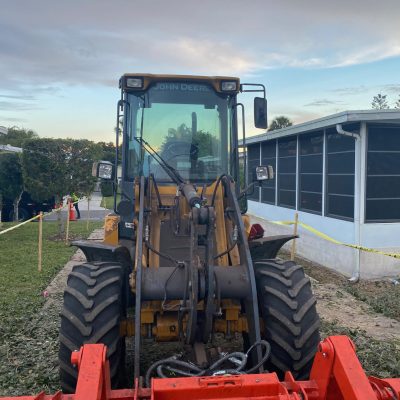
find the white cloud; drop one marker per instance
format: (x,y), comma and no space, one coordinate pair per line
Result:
(369,54)
(93,42)
(46,46)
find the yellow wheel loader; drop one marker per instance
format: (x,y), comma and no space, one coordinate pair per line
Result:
(178,249)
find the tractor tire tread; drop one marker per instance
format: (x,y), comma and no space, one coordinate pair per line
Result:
(304,309)
(76,322)
(91,315)
(297,288)
(103,270)
(291,323)
(86,303)
(88,281)
(92,311)
(279,277)
(286,299)
(292,327)
(94,291)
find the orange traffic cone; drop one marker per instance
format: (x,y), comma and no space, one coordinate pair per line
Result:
(71,216)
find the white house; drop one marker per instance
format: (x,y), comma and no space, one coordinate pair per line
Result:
(341,173)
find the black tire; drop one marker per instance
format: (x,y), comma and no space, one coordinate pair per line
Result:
(291,322)
(94,305)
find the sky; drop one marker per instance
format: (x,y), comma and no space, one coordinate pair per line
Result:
(60,61)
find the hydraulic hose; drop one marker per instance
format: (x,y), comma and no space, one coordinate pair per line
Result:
(184,368)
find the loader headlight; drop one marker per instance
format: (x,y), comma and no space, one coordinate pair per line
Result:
(229,86)
(134,83)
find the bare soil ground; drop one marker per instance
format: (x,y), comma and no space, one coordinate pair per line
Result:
(370,306)
(336,305)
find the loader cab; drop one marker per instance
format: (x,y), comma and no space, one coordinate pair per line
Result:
(189,122)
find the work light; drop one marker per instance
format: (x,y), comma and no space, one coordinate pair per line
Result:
(135,83)
(229,86)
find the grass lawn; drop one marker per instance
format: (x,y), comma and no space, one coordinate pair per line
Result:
(21,285)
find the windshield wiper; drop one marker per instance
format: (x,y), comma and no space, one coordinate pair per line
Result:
(171,171)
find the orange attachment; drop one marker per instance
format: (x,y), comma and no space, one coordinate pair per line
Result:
(336,375)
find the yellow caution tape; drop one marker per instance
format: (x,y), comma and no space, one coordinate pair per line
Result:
(35,217)
(321,235)
(353,246)
(332,240)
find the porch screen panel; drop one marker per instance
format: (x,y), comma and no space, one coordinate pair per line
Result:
(253,161)
(310,172)
(383,174)
(287,149)
(340,167)
(268,157)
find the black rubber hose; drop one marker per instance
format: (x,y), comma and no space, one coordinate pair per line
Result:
(263,359)
(184,368)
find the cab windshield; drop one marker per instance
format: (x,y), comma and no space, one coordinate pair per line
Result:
(187,124)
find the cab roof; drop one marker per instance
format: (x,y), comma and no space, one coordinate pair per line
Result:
(148,79)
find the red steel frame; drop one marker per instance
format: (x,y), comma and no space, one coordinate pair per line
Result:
(336,374)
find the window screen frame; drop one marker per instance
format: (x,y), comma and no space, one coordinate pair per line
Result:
(280,173)
(251,172)
(273,181)
(320,133)
(366,175)
(327,193)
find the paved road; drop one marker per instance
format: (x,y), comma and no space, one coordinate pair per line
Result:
(96,212)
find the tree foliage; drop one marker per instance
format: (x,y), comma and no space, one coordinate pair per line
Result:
(206,143)
(79,158)
(379,102)
(17,136)
(57,167)
(11,182)
(279,123)
(397,104)
(44,168)
(108,151)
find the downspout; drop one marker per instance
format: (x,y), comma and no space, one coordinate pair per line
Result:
(341,131)
(356,273)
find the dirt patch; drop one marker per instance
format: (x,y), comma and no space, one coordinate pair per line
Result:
(381,296)
(336,305)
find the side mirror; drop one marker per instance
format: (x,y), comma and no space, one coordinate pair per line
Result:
(103,170)
(260,113)
(264,173)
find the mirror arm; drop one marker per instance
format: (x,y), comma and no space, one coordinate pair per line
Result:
(260,85)
(247,188)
